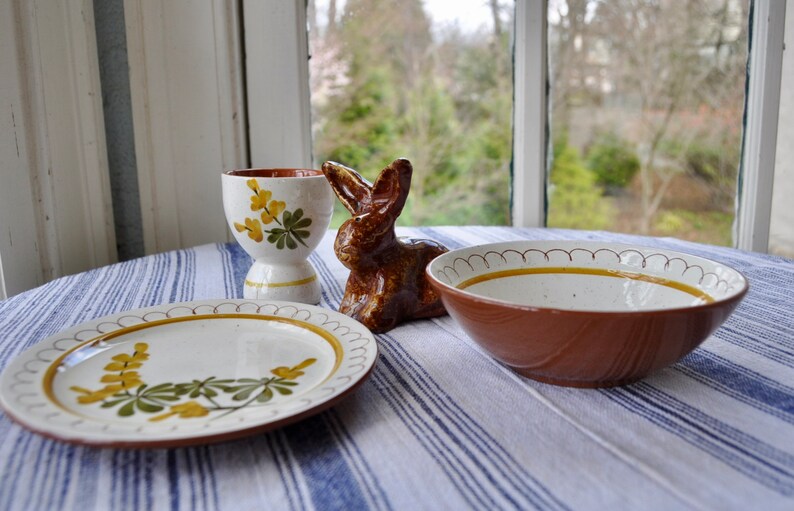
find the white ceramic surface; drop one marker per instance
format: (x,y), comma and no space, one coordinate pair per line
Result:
(259,210)
(189,373)
(587,276)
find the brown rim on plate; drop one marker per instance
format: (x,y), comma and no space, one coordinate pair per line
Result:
(200,440)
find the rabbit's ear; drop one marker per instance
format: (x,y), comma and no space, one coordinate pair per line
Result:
(391,188)
(352,189)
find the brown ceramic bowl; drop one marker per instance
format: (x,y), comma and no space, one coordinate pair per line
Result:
(585,314)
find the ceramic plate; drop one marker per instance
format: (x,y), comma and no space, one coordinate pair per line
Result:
(189,373)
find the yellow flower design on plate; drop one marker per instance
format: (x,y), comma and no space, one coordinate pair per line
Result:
(187,410)
(94,396)
(138,356)
(290,373)
(126,391)
(125,380)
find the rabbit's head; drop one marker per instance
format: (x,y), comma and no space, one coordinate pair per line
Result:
(369,234)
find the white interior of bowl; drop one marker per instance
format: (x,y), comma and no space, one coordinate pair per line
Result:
(588,276)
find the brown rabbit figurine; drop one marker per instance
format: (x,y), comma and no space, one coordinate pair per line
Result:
(387,283)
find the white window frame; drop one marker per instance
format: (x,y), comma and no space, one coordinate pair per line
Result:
(530,117)
(277,79)
(286,23)
(754,200)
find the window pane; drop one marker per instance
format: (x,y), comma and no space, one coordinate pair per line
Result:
(647,99)
(430,81)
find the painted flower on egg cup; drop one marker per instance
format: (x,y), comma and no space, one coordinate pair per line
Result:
(278,216)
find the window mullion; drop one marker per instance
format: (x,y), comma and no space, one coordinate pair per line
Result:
(530,134)
(277,82)
(760,133)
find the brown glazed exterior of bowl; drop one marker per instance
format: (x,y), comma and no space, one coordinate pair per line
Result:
(583,349)
(578,348)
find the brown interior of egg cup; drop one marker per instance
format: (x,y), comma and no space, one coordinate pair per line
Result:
(274,173)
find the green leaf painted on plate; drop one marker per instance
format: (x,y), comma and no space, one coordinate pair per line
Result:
(128,409)
(265,396)
(195,398)
(148,407)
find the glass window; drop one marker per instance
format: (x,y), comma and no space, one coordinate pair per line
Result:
(647,98)
(428,80)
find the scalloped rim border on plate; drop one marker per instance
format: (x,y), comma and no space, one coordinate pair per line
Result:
(24,398)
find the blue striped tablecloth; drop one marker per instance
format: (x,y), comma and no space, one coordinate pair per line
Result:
(440,425)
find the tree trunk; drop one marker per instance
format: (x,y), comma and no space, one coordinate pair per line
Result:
(497,22)
(331,16)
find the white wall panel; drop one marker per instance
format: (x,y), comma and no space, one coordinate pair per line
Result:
(55,211)
(187,104)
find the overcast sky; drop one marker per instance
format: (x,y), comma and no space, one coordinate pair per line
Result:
(469,15)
